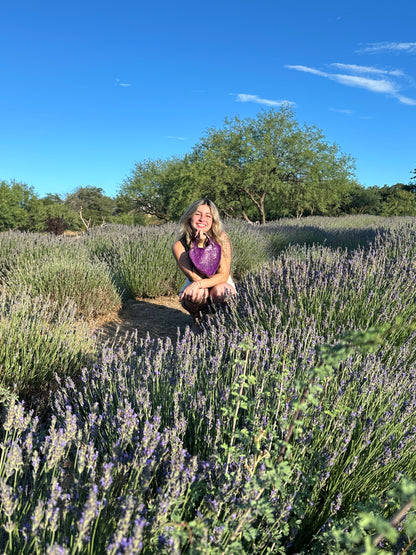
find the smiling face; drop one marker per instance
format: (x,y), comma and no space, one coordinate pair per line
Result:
(202,219)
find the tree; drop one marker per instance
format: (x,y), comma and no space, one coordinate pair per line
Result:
(16,200)
(398,201)
(412,183)
(256,168)
(94,204)
(51,207)
(145,189)
(56,225)
(157,188)
(251,164)
(365,201)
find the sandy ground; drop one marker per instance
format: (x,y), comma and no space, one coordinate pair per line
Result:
(159,317)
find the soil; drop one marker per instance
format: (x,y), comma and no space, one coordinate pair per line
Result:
(159,317)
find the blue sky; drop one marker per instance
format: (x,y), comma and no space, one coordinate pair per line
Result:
(90,88)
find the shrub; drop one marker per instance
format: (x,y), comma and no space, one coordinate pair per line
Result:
(251,248)
(140,259)
(88,284)
(331,290)
(39,337)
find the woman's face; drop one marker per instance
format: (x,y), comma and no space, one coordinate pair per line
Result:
(202,219)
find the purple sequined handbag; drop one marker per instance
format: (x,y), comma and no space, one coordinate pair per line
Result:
(207,259)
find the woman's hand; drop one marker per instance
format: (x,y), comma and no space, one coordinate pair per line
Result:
(200,237)
(192,292)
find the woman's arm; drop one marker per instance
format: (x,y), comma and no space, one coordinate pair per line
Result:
(183,261)
(223,271)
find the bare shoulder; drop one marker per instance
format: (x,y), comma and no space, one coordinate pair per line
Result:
(225,239)
(178,247)
(225,244)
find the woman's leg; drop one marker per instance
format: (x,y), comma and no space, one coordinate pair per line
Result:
(195,307)
(219,293)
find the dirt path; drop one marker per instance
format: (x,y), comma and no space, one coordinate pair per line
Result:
(160,317)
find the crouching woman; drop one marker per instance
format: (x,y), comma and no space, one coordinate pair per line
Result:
(203,253)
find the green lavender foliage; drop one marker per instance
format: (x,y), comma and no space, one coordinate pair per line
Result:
(17,247)
(88,284)
(286,426)
(139,259)
(380,526)
(251,247)
(38,338)
(58,268)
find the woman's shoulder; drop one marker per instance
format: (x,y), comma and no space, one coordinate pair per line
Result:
(181,244)
(225,238)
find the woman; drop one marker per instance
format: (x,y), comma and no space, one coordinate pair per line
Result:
(200,223)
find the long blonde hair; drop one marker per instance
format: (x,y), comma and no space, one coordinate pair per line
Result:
(188,234)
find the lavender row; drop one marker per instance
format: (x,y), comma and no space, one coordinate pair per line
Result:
(156,449)
(254,436)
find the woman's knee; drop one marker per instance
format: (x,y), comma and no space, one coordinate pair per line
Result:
(221,292)
(195,304)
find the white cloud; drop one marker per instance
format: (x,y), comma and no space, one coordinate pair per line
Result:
(368,69)
(385,85)
(406,100)
(307,69)
(175,138)
(254,98)
(375,47)
(120,84)
(342,111)
(373,85)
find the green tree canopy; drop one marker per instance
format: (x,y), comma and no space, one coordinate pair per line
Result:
(159,188)
(52,206)
(397,200)
(365,201)
(16,199)
(258,168)
(270,166)
(96,206)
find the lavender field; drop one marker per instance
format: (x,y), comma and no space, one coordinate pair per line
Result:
(287,426)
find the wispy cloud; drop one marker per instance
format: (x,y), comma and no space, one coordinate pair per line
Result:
(406,100)
(120,84)
(363,77)
(353,68)
(176,138)
(266,102)
(342,111)
(375,47)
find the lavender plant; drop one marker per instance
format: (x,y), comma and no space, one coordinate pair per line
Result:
(87,284)
(116,468)
(19,248)
(251,247)
(38,337)
(332,290)
(263,434)
(346,232)
(140,259)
